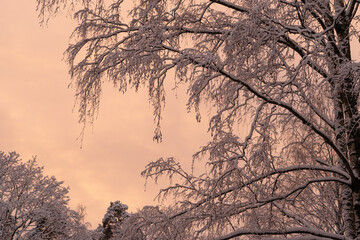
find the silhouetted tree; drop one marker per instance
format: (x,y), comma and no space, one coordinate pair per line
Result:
(113,219)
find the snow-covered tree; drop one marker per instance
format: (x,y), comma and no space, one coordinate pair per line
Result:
(152,222)
(34,206)
(112,222)
(286,69)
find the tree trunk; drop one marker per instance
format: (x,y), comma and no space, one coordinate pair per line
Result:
(347,117)
(346,192)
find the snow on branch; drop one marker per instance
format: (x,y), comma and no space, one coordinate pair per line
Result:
(303,230)
(282,89)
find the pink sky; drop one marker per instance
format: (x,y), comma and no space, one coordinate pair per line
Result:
(37,118)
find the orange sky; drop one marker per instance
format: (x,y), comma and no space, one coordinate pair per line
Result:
(36,118)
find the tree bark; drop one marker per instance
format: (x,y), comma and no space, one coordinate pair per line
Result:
(347,116)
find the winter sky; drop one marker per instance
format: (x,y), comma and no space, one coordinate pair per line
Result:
(37,118)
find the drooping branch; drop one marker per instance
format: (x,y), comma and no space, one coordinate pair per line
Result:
(231,6)
(298,230)
(299,116)
(267,175)
(276,102)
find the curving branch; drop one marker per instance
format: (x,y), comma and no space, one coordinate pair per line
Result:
(296,230)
